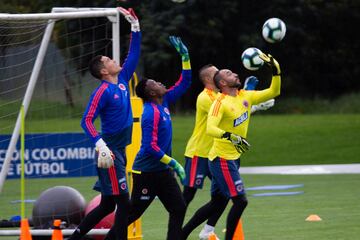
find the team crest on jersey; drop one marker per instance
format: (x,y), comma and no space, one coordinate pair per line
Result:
(116,96)
(144,191)
(245,103)
(122,87)
(198,181)
(239,188)
(241,119)
(166,110)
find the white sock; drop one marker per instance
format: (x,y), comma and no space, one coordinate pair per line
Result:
(208,228)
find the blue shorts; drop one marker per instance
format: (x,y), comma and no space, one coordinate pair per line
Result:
(196,170)
(226,177)
(112,181)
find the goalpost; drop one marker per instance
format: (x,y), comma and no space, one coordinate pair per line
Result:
(62,94)
(57,13)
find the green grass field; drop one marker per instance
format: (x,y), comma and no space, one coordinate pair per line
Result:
(276,140)
(335,198)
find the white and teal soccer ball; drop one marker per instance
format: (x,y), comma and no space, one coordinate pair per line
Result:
(251,60)
(274,30)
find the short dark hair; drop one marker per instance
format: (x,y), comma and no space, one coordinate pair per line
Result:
(140,90)
(217,78)
(202,69)
(95,66)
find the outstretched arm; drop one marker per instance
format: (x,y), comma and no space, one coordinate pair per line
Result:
(132,58)
(184,81)
(274,89)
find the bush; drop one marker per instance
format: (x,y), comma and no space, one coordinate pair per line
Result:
(349,103)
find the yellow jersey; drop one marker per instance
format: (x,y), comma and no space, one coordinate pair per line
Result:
(232,114)
(200,143)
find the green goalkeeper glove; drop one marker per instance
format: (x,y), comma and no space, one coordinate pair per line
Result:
(239,142)
(178,169)
(269,60)
(180,47)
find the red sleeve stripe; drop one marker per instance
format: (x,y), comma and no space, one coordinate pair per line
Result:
(89,116)
(176,84)
(154,139)
(227,176)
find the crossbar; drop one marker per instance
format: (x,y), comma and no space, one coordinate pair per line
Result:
(59,15)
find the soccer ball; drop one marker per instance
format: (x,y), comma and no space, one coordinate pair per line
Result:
(274,30)
(251,59)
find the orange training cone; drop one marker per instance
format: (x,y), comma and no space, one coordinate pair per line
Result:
(239,233)
(313,218)
(57,233)
(25,230)
(212,236)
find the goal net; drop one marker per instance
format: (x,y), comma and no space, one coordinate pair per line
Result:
(43,65)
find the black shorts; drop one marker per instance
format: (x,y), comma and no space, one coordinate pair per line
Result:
(148,185)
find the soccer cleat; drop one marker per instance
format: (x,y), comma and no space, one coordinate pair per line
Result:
(203,235)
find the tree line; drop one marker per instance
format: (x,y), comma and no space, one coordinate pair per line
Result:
(318,55)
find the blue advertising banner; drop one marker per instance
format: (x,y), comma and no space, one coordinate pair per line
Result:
(52,155)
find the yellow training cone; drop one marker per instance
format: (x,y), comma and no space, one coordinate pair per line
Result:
(313,218)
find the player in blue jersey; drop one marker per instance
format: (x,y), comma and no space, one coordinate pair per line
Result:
(153,166)
(111,101)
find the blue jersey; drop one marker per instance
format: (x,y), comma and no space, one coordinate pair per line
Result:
(112,102)
(156,128)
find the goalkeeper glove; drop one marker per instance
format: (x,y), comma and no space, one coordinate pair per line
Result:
(263,106)
(239,142)
(269,60)
(250,83)
(178,169)
(105,157)
(180,47)
(131,17)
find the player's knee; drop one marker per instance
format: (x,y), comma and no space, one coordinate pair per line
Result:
(189,194)
(240,201)
(178,208)
(108,207)
(218,201)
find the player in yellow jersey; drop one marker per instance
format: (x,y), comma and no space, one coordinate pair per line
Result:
(197,150)
(196,154)
(228,122)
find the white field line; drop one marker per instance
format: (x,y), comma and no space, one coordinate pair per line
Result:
(304,169)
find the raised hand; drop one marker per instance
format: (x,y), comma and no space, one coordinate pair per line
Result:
(180,47)
(269,60)
(250,83)
(131,17)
